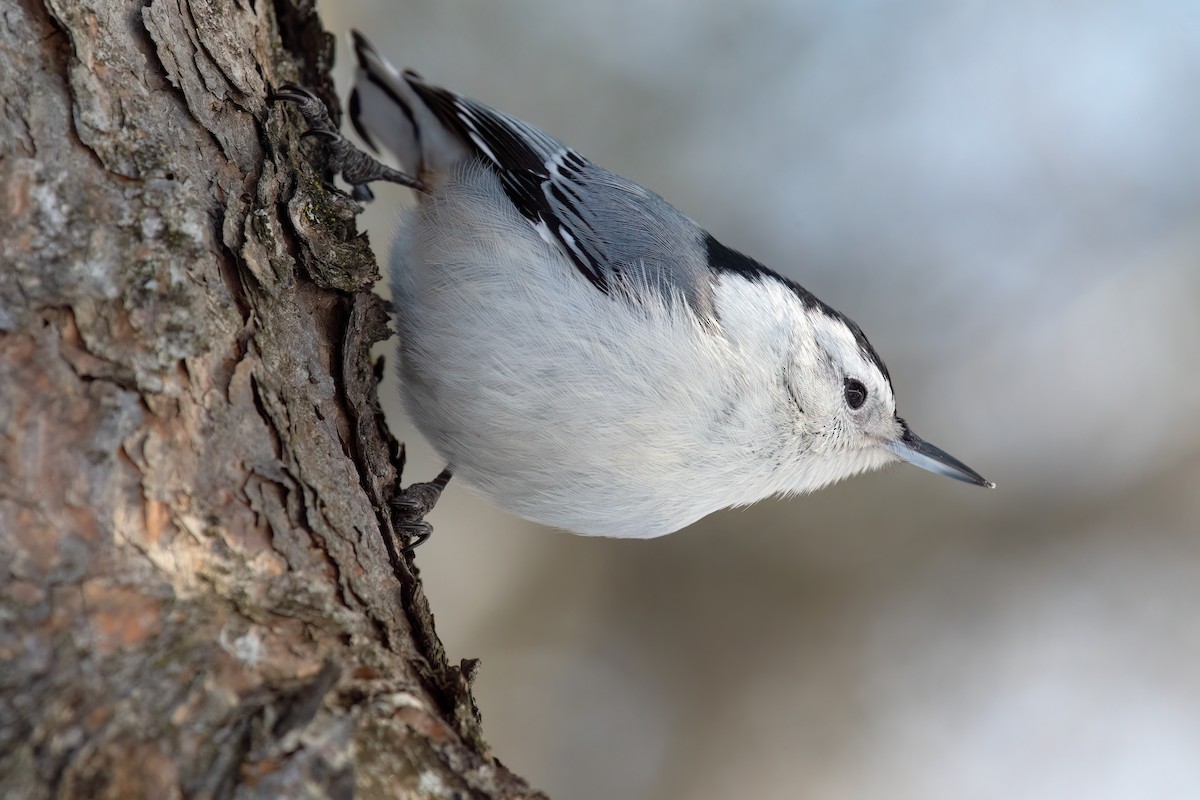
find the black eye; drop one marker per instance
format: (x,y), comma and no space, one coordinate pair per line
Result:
(856,393)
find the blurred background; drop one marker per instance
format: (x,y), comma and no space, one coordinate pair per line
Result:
(1006,196)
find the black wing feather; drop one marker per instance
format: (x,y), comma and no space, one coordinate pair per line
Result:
(527,163)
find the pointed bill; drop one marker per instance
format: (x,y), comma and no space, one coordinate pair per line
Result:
(920,453)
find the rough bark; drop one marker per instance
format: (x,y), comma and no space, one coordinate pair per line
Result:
(200,589)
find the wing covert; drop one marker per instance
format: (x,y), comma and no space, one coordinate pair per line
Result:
(612,230)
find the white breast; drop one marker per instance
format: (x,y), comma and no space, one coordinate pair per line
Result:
(560,403)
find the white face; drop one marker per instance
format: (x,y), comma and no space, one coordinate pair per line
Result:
(859,429)
(830,407)
(846,404)
(830,410)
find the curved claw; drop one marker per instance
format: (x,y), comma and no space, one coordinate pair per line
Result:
(421,530)
(318,133)
(356,167)
(414,503)
(405,506)
(292,93)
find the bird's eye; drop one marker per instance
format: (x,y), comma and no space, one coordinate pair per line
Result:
(856,393)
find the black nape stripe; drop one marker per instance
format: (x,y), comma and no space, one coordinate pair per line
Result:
(726,259)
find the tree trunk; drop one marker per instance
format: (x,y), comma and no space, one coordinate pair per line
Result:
(201,592)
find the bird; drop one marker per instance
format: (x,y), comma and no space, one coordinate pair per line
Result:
(582,353)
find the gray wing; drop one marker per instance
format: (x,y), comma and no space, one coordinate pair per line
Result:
(617,234)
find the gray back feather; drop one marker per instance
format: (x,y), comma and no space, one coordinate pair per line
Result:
(623,238)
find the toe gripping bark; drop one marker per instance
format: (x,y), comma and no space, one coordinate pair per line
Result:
(412,504)
(356,167)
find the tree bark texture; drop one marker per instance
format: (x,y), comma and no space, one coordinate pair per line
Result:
(201,592)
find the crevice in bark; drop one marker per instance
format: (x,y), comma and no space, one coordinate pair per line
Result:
(200,588)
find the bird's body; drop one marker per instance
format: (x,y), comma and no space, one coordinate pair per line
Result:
(588,357)
(555,414)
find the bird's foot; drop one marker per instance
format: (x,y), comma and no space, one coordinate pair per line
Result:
(413,504)
(358,168)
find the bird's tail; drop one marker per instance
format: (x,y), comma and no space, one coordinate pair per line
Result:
(386,111)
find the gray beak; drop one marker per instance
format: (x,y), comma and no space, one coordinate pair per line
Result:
(920,453)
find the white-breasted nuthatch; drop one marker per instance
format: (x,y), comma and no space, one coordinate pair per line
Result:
(582,353)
